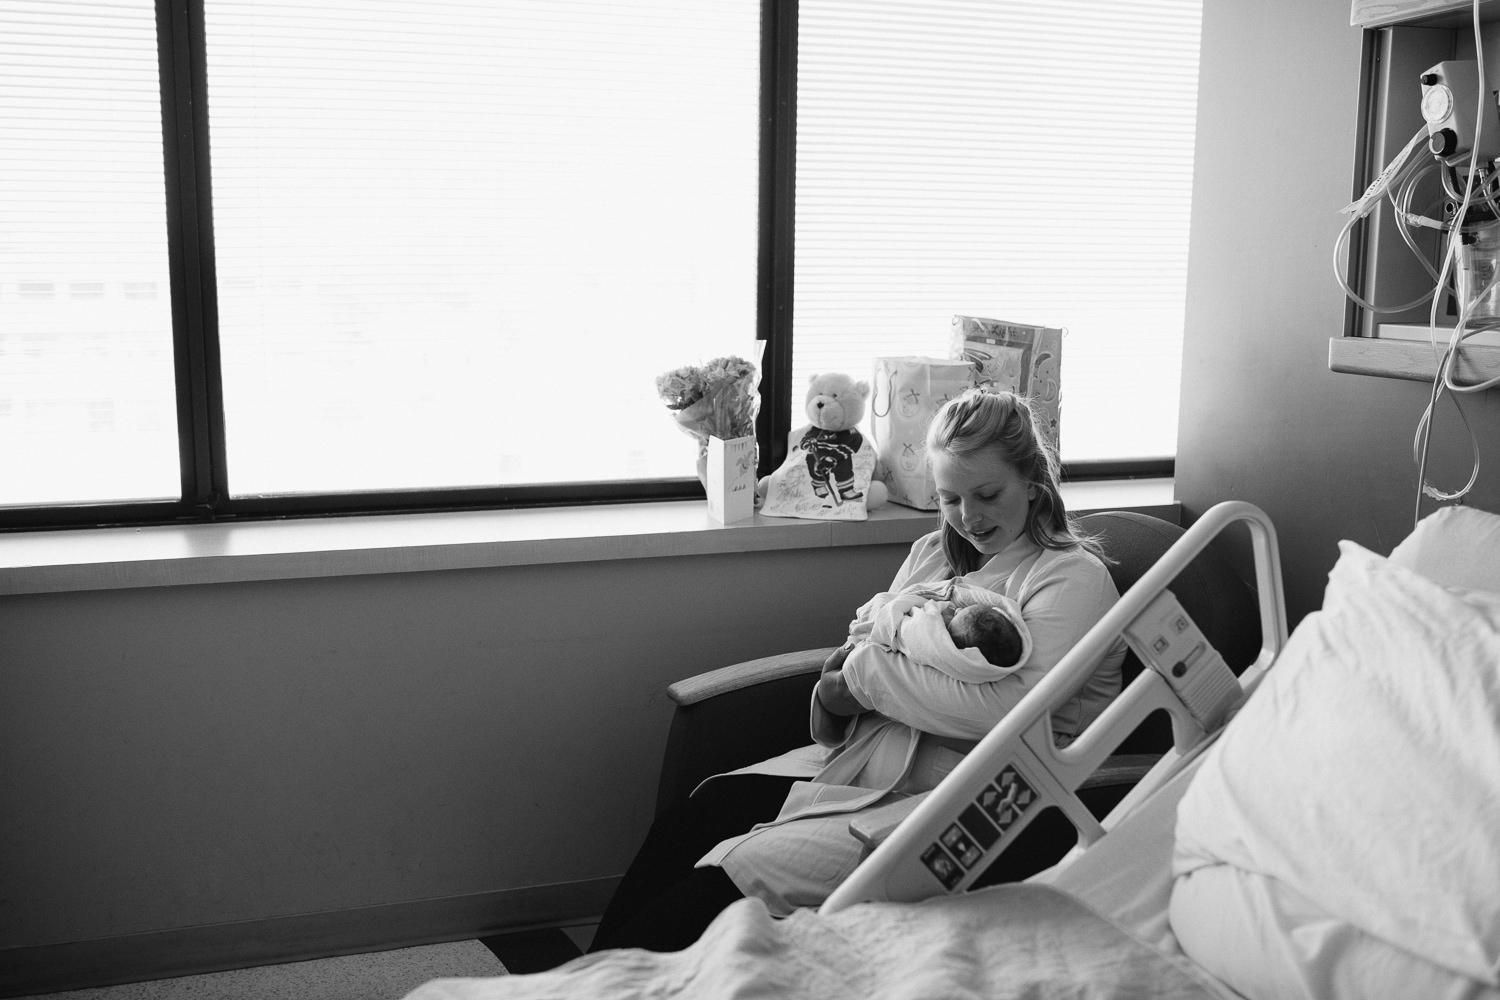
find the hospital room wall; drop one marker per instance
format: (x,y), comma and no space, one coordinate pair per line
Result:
(238,771)
(1328,456)
(234,759)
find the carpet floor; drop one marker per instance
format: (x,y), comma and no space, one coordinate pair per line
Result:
(386,975)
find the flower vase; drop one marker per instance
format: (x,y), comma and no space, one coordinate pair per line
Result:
(727,468)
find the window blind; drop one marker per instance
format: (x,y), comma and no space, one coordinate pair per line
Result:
(457,241)
(87,404)
(1023,161)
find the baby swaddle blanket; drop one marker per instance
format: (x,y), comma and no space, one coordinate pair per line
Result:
(910,621)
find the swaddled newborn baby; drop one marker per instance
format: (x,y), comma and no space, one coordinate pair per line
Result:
(970,633)
(987,629)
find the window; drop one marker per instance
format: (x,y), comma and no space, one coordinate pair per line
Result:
(83,204)
(1022,161)
(456,242)
(267,258)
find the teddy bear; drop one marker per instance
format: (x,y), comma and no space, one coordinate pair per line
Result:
(829,443)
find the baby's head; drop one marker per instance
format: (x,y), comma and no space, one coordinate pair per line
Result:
(990,631)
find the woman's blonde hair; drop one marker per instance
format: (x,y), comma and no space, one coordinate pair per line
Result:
(983,417)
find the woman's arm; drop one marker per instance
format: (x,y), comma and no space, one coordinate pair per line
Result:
(833,708)
(1059,609)
(833,693)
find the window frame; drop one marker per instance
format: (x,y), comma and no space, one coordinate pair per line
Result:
(200,405)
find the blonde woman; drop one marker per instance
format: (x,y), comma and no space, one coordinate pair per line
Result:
(887,726)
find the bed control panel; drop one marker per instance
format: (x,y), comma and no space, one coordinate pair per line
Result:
(964,843)
(1165,638)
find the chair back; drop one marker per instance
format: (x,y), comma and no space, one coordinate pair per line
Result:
(747,712)
(1219,600)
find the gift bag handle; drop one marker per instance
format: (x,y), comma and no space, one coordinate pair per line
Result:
(890,395)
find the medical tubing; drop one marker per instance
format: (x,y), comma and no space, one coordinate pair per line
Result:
(1489,198)
(1338,247)
(1393,176)
(1462,212)
(1450,250)
(1442,378)
(1450,182)
(1405,218)
(1420,447)
(1449,362)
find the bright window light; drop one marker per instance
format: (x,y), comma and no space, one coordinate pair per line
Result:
(87,394)
(457,242)
(1021,161)
(453,243)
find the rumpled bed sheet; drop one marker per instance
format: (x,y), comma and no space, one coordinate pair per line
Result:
(1010,941)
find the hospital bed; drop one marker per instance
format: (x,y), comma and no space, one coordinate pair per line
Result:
(1324,824)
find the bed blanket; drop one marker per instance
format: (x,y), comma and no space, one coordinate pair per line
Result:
(1009,941)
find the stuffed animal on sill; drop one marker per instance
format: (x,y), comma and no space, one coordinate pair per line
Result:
(830,471)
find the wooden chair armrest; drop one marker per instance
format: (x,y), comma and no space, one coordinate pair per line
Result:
(736,716)
(714,683)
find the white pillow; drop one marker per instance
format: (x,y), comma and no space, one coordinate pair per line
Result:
(1269,943)
(1365,772)
(1456,547)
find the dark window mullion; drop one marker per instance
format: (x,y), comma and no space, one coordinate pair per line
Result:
(200,410)
(778,161)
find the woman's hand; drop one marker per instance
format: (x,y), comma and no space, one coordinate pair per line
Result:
(835,661)
(834,694)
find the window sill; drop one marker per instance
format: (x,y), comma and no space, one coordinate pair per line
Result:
(109,558)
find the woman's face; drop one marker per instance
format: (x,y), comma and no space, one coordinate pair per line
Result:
(982,496)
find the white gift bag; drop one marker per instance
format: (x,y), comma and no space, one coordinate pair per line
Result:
(729,481)
(906,396)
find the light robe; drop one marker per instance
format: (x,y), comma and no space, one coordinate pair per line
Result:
(922,721)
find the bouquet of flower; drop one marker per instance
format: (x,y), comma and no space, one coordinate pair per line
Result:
(719,399)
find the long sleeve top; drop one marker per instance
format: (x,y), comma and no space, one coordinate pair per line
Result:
(1061,595)
(922,720)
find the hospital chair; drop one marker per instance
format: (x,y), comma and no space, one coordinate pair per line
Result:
(945,840)
(748,712)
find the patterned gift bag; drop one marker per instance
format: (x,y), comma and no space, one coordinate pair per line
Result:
(1019,357)
(906,396)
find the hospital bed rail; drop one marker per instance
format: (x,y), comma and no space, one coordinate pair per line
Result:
(955,832)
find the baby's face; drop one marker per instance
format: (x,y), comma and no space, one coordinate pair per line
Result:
(988,629)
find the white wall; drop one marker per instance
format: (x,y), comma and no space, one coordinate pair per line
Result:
(1328,456)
